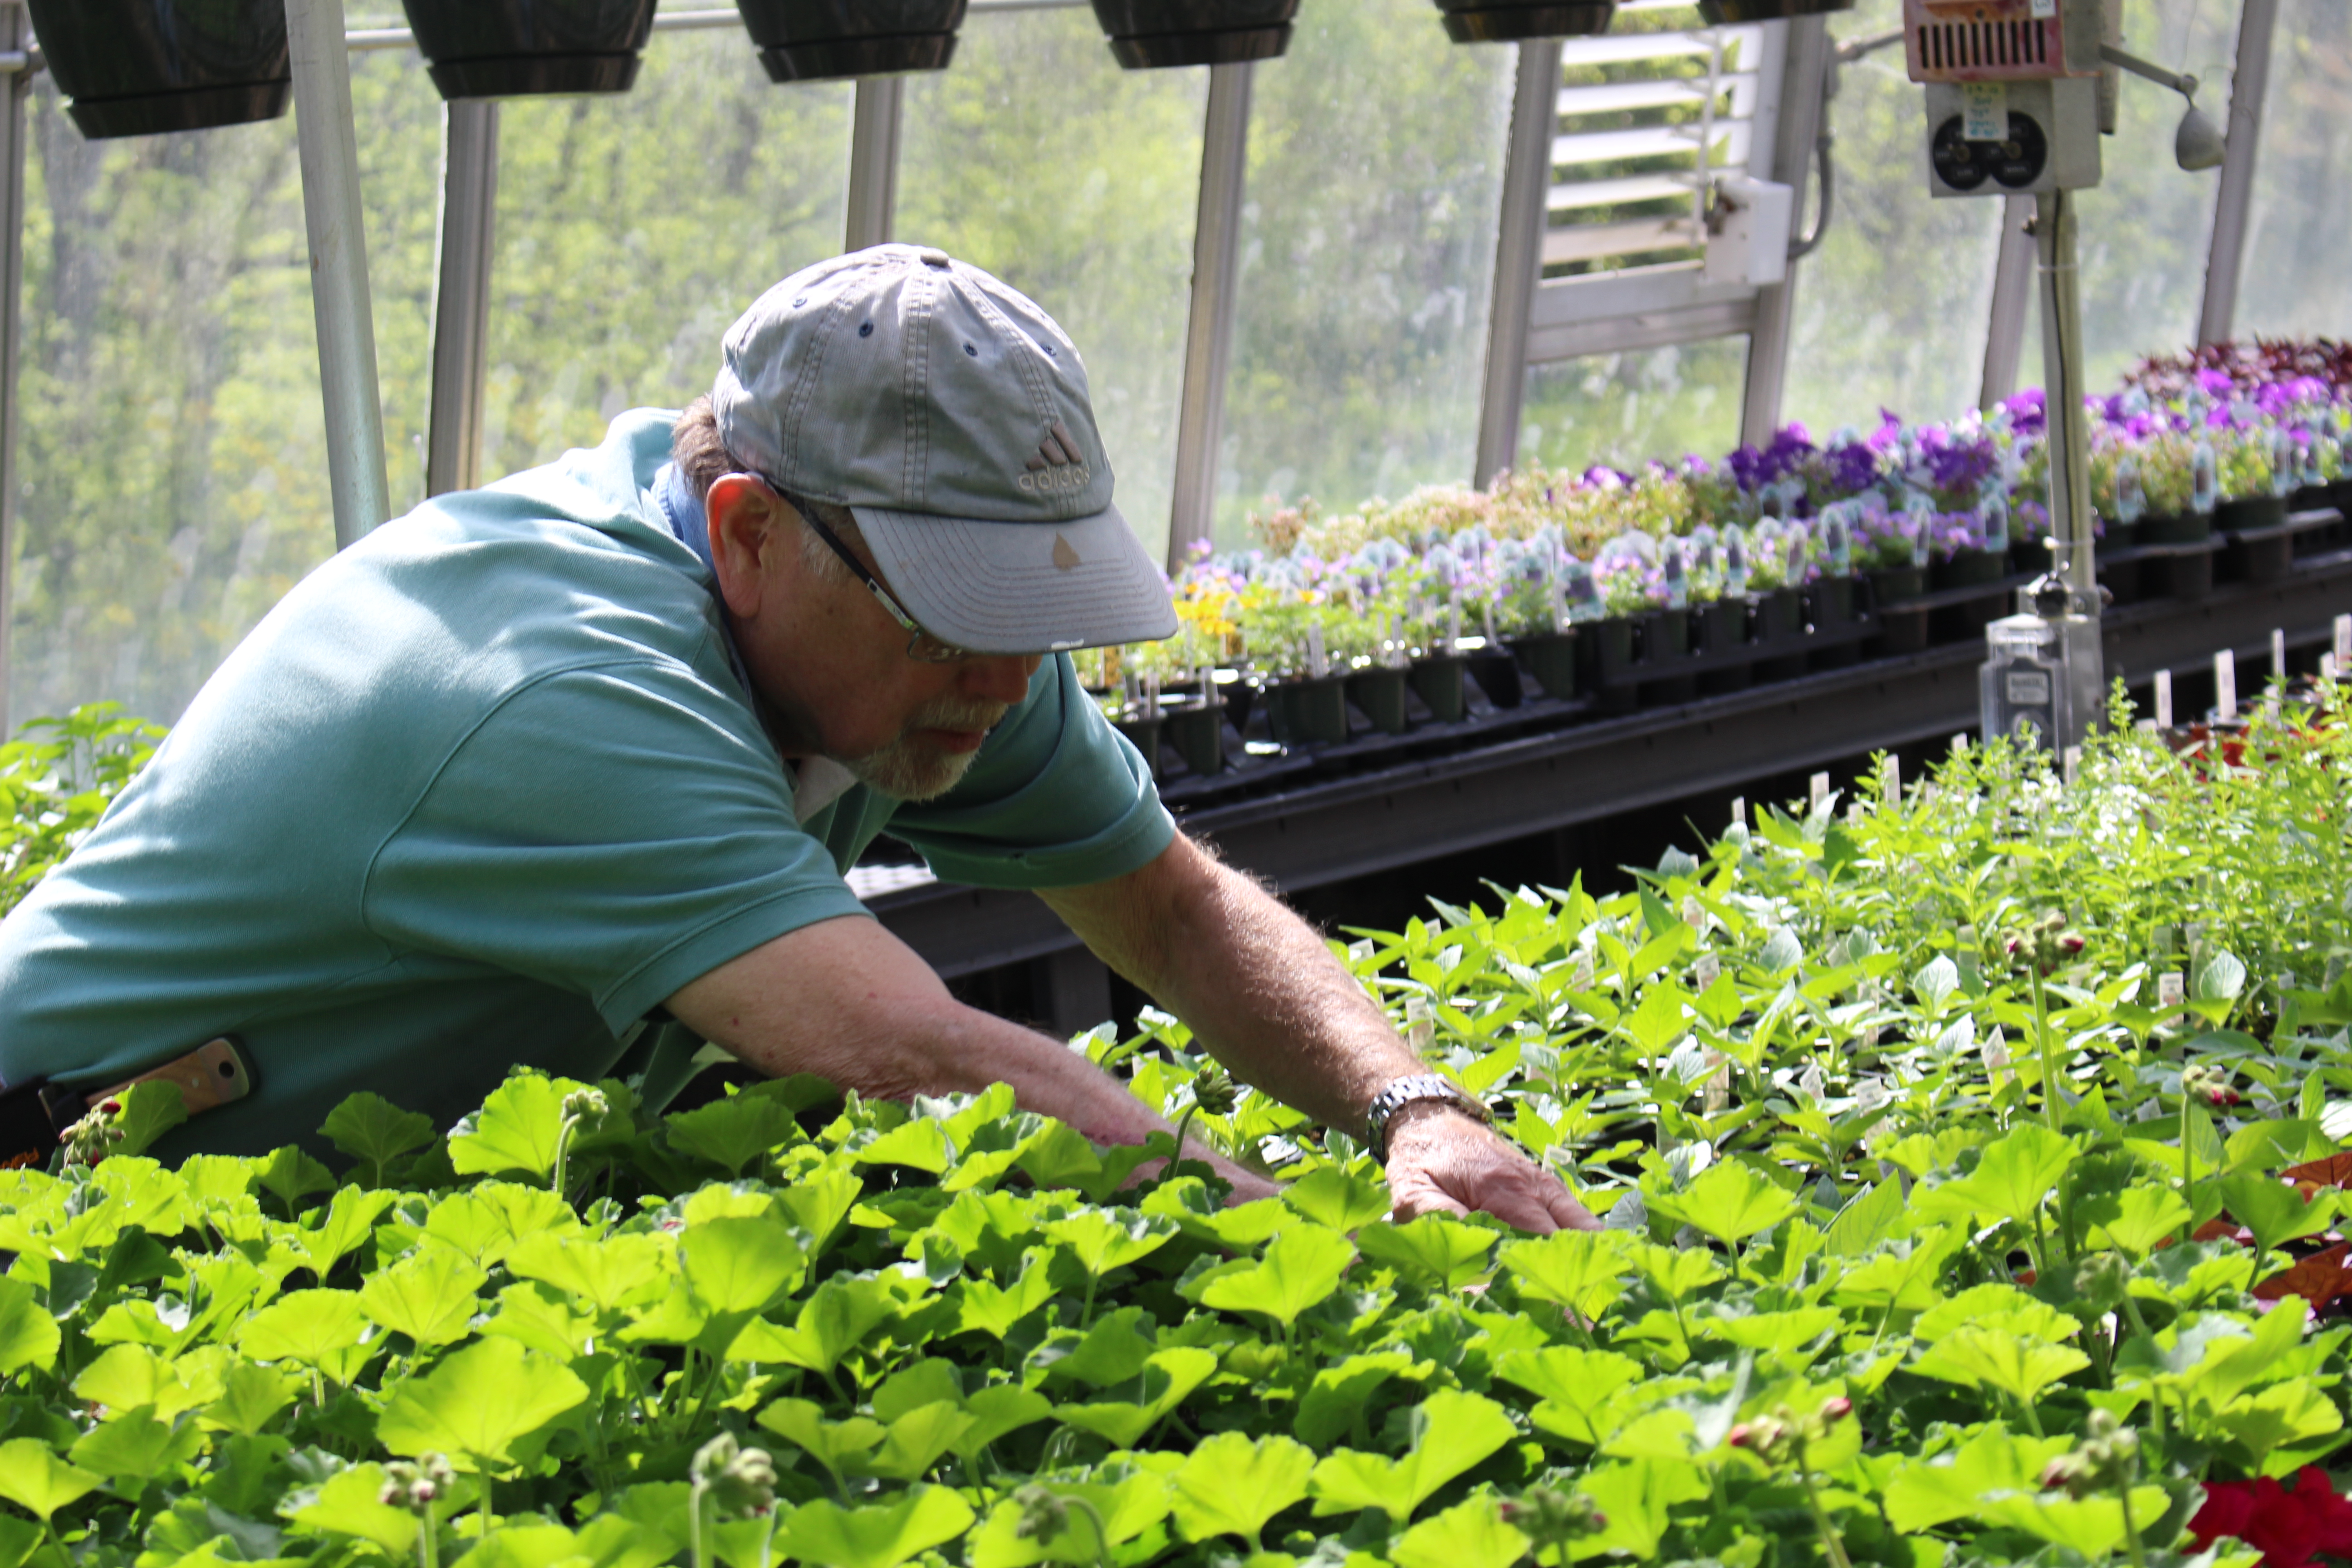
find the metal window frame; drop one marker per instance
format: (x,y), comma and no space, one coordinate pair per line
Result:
(2249,87)
(2013,296)
(14,29)
(876,127)
(461,299)
(340,300)
(1795,135)
(1209,326)
(1535,322)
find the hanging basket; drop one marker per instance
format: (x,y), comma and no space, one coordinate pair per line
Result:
(1146,35)
(824,40)
(1720,12)
(512,49)
(1505,21)
(140,68)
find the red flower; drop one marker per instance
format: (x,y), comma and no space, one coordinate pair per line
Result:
(2290,1529)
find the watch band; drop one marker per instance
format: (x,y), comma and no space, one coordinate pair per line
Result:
(1407,1091)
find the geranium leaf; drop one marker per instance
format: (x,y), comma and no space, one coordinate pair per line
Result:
(28,1334)
(1727,1201)
(1233,1485)
(882,1536)
(36,1481)
(478,1402)
(367,1126)
(428,1295)
(1435,1247)
(1301,1266)
(1471,1534)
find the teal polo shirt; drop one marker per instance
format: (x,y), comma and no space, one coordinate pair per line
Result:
(481,793)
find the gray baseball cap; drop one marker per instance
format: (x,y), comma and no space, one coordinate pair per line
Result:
(949,414)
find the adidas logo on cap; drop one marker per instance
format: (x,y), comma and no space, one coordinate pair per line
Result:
(1056,465)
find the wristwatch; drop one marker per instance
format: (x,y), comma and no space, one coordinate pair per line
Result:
(1406,1091)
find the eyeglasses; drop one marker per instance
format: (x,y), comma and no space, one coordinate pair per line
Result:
(921,645)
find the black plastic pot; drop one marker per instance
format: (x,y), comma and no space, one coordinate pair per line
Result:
(1147,35)
(820,40)
(1502,21)
(1893,585)
(1968,569)
(1437,681)
(1309,712)
(1378,694)
(1552,658)
(1498,675)
(1143,734)
(140,68)
(2177,527)
(1779,633)
(1196,733)
(1719,13)
(509,48)
(2250,513)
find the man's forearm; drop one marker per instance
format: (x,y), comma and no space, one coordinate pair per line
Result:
(1258,987)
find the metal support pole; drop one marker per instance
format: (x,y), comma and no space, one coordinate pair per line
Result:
(461,300)
(1209,331)
(2248,85)
(1794,141)
(2062,353)
(874,129)
(15,37)
(339,275)
(2012,291)
(1519,255)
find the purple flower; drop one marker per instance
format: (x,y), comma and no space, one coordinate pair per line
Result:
(2028,412)
(2215,382)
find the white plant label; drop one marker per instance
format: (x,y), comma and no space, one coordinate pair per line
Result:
(1317,664)
(2278,654)
(2044,9)
(1820,789)
(1706,970)
(2327,667)
(2342,641)
(2164,700)
(2225,685)
(1738,811)
(1984,109)
(2072,759)
(1894,786)
(1718,1083)
(2171,990)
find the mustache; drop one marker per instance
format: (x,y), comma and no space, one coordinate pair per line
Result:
(952,713)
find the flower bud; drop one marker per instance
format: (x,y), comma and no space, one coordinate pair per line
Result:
(1837,1407)
(1741,1436)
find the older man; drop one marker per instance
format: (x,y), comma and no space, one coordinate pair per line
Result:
(540,762)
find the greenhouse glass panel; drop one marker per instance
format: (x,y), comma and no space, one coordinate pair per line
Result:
(174,464)
(2144,235)
(1891,310)
(2294,281)
(1035,156)
(633,230)
(1368,259)
(1623,409)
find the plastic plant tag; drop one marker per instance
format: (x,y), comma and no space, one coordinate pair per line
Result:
(1677,580)
(2201,480)
(2285,462)
(1735,562)
(1486,621)
(2164,700)
(1818,786)
(2278,654)
(2171,991)
(1919,527)
(1453,620)
(1584,593)
(1740,812)
(2131,496)
(1891,776)
(1797,555)
(2225,686)
(2342,641)
(1992,524)
(1837,546)
(1318,664)
(2071,759)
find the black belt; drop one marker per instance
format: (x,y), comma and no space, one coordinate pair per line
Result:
(35,1115)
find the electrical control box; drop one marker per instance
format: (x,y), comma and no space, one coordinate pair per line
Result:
(2013,93)
(2042,683)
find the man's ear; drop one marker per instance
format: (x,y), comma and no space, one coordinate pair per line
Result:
(745,541)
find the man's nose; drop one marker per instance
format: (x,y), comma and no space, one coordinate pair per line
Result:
(1000,679)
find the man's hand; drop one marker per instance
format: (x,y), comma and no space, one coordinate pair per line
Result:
(1441,1162)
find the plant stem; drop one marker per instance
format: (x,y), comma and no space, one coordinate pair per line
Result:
(696,1543)
(1831,1543)
(2188,1187)
(2131,1526)
(2049,1101)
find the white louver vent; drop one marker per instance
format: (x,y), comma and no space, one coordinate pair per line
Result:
(1648,114)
